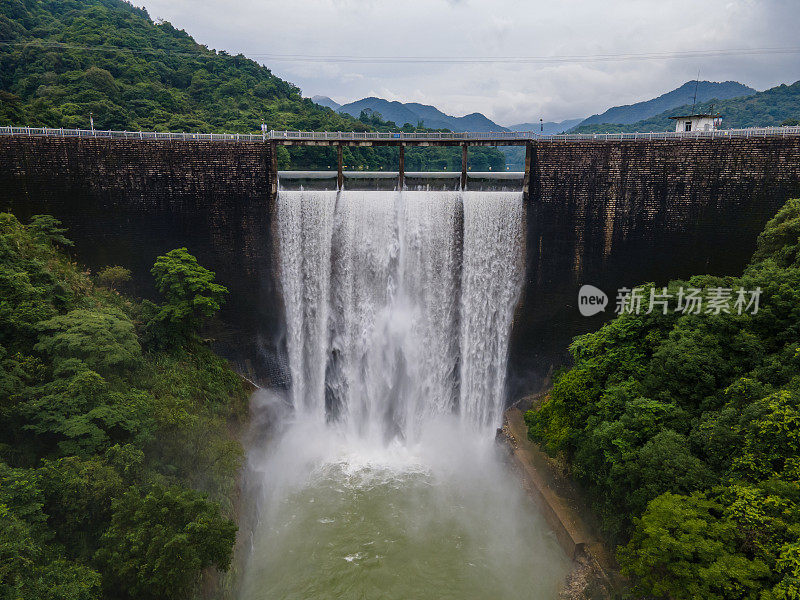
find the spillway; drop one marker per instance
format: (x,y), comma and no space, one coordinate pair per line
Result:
(399,305)
(384,481)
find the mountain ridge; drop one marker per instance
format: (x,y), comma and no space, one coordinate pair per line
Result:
(681,96)
(762,109)
(327,102)
(413,113)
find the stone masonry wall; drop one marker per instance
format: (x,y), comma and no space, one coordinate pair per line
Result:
(622,213)
(127,201)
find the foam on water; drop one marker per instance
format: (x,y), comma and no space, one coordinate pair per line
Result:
(341,516)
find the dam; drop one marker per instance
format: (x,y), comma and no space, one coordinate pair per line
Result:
(390,328)
(611,210)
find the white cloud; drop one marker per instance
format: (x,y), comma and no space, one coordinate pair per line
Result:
(499,28)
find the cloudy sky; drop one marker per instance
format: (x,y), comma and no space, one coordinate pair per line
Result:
(513,60)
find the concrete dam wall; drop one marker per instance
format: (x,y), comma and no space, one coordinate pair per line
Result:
(126,202)
(621,213)
(611,213)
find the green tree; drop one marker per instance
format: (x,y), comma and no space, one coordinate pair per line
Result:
(18,551)
(666,463)
(29,569)
(58,579)
(780,240)
(683,549)
(772,438)
(31,289)
(190,293)
(684,430)
(48,228)
(113,277)
(788,567)
(83,415)
(77,496)
(81,408)
(159,542)
(104,339)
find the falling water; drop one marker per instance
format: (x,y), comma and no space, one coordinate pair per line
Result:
(399,305)
(385,481)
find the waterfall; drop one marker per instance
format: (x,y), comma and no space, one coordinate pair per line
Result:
(382,480)
(399,305)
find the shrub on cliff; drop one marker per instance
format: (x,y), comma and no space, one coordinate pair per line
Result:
(190,295)
(113,277)
(159,540)
(684,548)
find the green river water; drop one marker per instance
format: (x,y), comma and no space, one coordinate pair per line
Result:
(400,524)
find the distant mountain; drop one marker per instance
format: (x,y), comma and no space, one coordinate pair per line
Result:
(389,111)
(326,102)
(548,127)
(471,122)
(762,109)
(706,90)
(413,113)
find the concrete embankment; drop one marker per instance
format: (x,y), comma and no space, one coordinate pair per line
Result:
(595,574)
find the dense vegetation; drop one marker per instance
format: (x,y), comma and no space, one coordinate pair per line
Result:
(771,107)
(117,464)
(685,431)
(61,60)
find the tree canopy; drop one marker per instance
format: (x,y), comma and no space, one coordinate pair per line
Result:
(116,462)
(190,292)
(158,542)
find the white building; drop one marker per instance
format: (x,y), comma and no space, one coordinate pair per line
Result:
(697,122)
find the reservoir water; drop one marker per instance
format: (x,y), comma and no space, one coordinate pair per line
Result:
(382,478)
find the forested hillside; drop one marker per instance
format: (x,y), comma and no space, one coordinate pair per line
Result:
(117,460)
(61,60)
(684,428)
(771,107)
(704,90)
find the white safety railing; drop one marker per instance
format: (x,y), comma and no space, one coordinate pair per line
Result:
(755,132)
(396,135)
(344,136)
(499,136)
(132,135)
